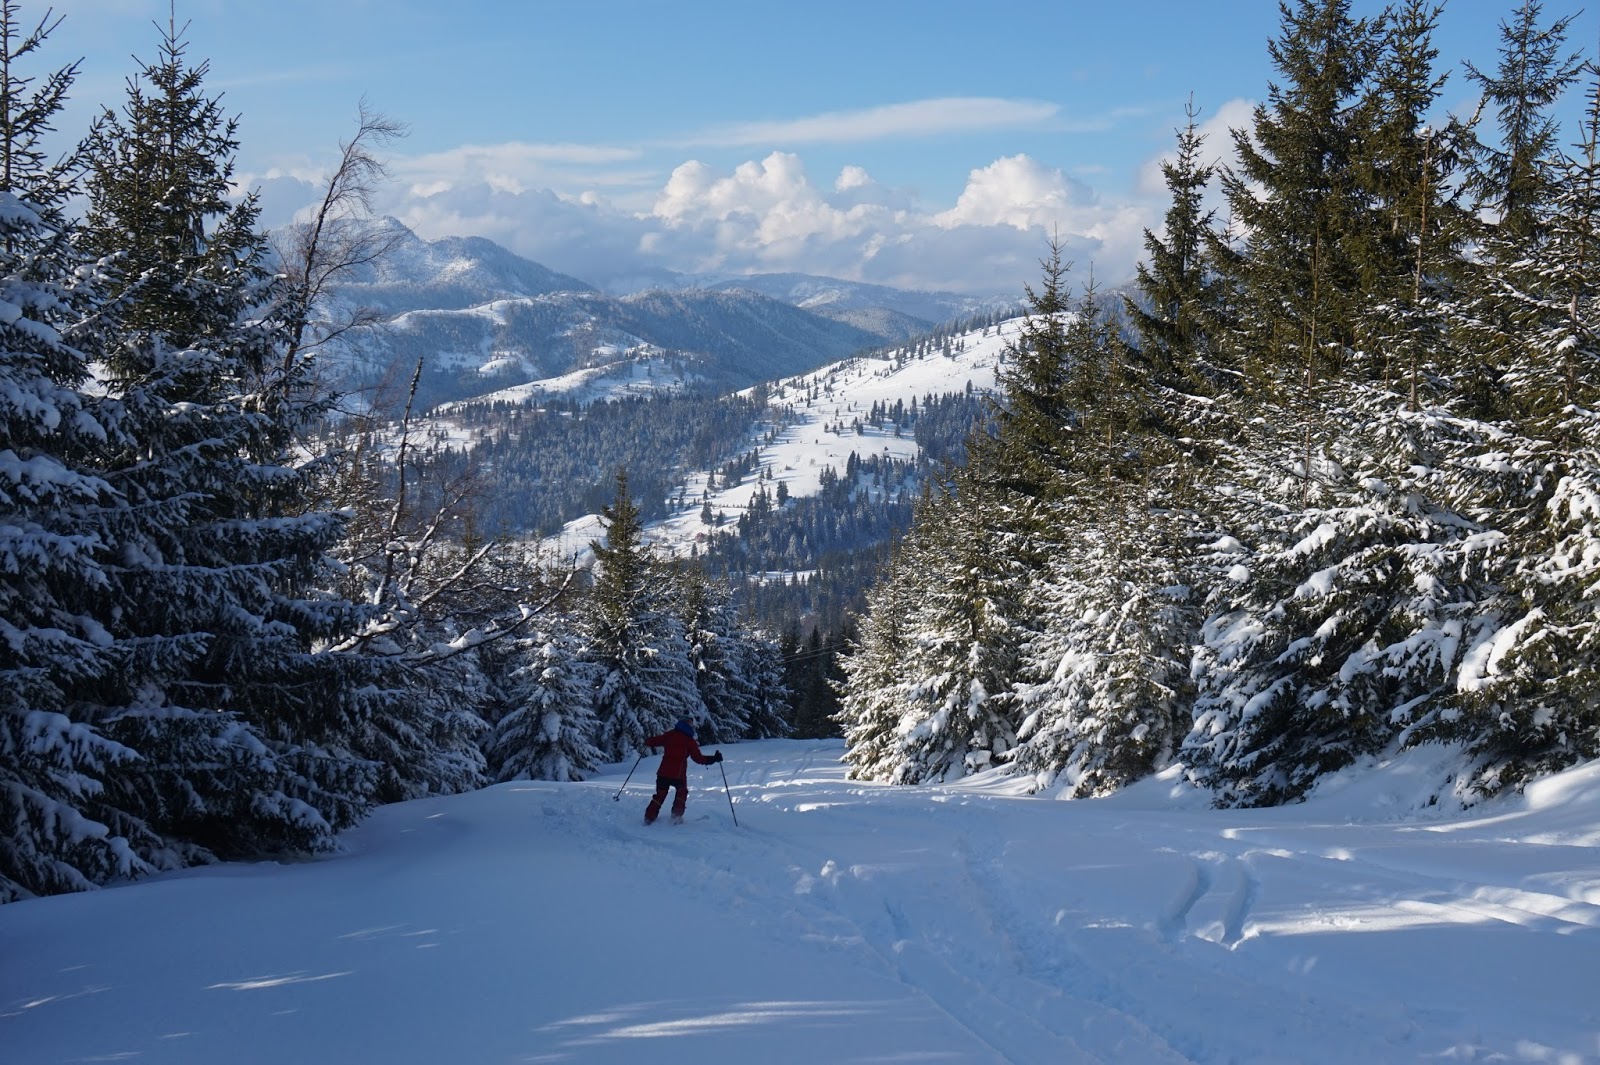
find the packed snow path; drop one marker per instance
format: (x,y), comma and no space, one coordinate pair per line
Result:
(843,922)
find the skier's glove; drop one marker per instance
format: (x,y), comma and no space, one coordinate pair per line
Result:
(717,757)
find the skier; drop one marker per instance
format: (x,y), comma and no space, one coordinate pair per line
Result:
(679,746)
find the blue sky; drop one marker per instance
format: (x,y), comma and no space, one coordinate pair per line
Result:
(923,144)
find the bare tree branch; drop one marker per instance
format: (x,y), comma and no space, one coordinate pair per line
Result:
(340,237)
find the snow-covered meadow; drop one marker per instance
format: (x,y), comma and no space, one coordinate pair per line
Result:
(848,922)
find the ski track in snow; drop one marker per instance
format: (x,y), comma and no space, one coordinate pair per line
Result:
(841,921)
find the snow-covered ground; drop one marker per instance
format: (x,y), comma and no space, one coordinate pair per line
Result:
(844,922)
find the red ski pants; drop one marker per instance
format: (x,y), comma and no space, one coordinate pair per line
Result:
(679,801)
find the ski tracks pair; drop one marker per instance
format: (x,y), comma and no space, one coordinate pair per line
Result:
(1228,888)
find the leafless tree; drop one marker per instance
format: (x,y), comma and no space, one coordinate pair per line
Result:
(339,238)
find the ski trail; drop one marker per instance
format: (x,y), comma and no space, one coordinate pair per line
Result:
(1174,921)
(1241,902)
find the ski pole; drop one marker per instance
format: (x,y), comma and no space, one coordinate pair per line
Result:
(618,796)
(729,794)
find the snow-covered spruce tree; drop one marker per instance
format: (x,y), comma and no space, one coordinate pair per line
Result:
(708,627)
(53,757)
(1528,699)
(1181,306)
(1104,691)
(1023,453)
(1102,678)
(1528,691)
(872,696)
(962,635)
(1515,180)
(1412,170)
(1334,627)
(1514,184)
(217,568)
(548,733)
(1296,193)
(644,679)
(737,671)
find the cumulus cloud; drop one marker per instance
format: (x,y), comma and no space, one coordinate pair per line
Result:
(1015,191)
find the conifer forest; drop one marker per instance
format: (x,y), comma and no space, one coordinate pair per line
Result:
(1321,483)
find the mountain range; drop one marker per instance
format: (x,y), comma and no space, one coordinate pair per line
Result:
(481,318)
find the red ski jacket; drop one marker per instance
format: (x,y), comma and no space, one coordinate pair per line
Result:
(679,749)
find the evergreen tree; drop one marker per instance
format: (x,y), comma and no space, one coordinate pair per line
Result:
(1297,193)
(1104,693)
(1181,300)
(960,659)
(1411,169)
(1030,424)
(1527,695)
(548,734)
(1515,179)
(218,591)
(872,695)
(810,677)
(54,759)
(644,680)
(1332,630)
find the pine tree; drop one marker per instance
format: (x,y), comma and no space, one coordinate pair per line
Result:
(738,672)
(1515,183)
(1104,693)
(960,659)
(1514,179)
(1034,376)
(548,733)
(1180,308)
(1335,630)
(54,759)
(1297,194)
(219,591)
(1412,170)
(645,680)
(1527,694)
(872,696)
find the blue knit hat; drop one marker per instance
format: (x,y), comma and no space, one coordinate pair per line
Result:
(684,726)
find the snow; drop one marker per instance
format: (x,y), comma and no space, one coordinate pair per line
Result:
(850,922)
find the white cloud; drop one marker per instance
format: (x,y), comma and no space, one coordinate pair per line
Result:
(918,118)
(762,215)
(516,166)
(852,177)
(1015,191)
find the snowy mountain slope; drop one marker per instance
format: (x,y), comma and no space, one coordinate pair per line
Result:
(482,318)
(452,273)
(891,325)
(850,922)
(822,407)
(736,339)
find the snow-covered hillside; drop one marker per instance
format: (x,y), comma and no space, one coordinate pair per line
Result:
(847,922)
(823,407)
